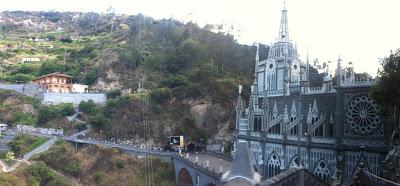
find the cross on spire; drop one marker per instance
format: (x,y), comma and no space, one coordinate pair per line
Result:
(283,29)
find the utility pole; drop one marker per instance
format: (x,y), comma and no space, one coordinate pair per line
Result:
(111,11)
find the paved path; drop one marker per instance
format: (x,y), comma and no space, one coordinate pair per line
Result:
(44,147)
(214,162)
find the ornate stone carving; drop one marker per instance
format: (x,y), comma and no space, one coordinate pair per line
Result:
(322,170)
(362,115)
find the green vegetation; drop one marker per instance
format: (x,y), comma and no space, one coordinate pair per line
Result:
(24,143)
(8,158)
(94,165)
(387,90)
(8,179)
(40,174)
(48,113)
(176,63)
(33,175)
(17,108)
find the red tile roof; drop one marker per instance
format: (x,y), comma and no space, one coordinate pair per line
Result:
(53,74)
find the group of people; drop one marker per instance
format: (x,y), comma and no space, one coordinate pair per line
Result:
(39,130)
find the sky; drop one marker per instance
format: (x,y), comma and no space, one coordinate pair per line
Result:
(360,31)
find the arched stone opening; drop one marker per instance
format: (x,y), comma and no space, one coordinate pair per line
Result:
(274,165)
(184,178)
(321,169)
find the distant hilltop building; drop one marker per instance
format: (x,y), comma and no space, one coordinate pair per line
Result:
(55,82)
(297,116)
(56,88)
(29,60)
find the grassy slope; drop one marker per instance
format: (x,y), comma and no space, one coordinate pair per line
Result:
(23,143)
(16,108)
(95,165)
(33,175)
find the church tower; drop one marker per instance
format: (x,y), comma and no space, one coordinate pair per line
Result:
(283,66)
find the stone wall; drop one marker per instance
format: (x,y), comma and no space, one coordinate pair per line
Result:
(27,89)
(74,98)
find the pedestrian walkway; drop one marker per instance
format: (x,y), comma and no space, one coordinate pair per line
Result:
(44,147)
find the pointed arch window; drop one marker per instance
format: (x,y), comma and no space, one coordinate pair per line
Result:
(321,169)
(293,117)
(273,165)
(314,118)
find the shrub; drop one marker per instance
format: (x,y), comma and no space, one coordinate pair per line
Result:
(88,107)
(99,177)
(98,121)
(45,114)
(72,168)
(161,95)
(67,109)
(9,179)
(114,94)
(120,164)
(80,126)
(41,173)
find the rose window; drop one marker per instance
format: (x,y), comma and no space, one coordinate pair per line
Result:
(362,115)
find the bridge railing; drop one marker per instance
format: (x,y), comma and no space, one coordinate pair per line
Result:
(219,155)
(212,173)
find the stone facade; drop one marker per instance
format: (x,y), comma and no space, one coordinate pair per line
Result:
(327,129)
(55,82)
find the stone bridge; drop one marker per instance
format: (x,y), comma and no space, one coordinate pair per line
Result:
(199,169)
(193,169)
(208,169)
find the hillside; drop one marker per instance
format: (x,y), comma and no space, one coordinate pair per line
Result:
(189,73)
(96,165)
(16,108)
(63,165)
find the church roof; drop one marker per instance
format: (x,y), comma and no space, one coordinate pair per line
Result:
(294,176)
(241,169)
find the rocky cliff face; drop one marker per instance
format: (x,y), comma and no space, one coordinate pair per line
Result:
(212,117)
(108,82)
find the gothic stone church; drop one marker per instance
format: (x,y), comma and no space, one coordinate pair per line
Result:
(330,129)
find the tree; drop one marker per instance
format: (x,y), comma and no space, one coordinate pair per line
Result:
(98,122)
(45,114)
(48,67)
(88,107)
(16,147)
(387,89)
(67,109)
(9,156)
(41,172)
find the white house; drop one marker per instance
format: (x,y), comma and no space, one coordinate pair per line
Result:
(79,88)
(29,59)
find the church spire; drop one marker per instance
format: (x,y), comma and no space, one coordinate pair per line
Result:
(283,29)
(257,62)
